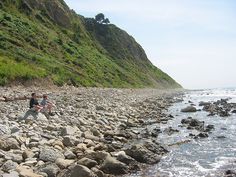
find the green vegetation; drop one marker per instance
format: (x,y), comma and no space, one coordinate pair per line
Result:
(57,44)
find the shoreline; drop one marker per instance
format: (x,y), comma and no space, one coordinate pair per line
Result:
(99,131)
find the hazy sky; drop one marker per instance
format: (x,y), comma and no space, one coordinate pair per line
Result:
(194,41)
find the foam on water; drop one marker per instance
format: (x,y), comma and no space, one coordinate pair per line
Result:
(202,157)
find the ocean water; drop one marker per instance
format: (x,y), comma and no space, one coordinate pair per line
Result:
(206,157)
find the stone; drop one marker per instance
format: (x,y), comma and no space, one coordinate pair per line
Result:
(141,154)
(68,130)
(69,154)
(113,166)
(9,165)
(28,154)
(64,163)
(123,157)
(4,130)
(49,154)
(50,169)
(7,144)
(11,174)
(189,109)
(68,141)
(87,162)
(78,171)
(26,171)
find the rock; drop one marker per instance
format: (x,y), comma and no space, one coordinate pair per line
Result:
(4,130)
(202,103)
(9,165)
(64,163)
(49,155)
(50,169)
(201,135)
(170,131)
(7,144)
(189,109)
(78,171)
(11,174)
(28,154)
(113,166)
(68,130)
(68,141)
(98,155)
(142,154)
(25,171)
(69,155)
(124,158)
(87,162)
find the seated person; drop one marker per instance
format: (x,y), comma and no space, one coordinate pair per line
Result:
(47,106)
(34,104)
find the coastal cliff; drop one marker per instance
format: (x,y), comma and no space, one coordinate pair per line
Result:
(46,40)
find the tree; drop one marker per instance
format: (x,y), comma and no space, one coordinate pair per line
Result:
(100,18)
(106,21)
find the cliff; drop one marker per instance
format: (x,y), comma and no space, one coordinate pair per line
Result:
(41,39)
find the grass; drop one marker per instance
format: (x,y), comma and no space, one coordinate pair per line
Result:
(33,46)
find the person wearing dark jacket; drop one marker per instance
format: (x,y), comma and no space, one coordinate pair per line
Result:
(34,104)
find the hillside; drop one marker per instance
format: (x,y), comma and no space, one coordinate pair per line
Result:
(41,39)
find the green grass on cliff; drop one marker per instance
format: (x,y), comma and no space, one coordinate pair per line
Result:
(34,46)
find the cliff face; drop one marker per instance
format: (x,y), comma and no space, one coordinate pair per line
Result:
(45,39)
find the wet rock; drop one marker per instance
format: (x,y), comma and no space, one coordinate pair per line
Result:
(113,166)
(87,162)
(189,109)
(49,154)
(124,158)
(142,154)
(201,135)
(170,131)
(203,103)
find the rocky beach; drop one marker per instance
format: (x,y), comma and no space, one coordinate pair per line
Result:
(93,132)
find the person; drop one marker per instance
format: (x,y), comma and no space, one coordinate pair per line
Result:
(34,104)
(47,106)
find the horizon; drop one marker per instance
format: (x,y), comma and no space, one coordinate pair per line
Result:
(192,41)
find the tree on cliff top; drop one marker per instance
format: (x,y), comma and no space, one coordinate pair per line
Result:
(100,18)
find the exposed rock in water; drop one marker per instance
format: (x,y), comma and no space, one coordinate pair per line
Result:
(189,109)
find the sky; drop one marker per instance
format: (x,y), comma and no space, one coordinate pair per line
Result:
(194,41)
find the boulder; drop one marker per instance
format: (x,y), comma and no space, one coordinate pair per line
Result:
(141,154)
(68,130)
(64,163)
(4,130)
(77,171)
(26,171)
(9,165)
(189,109)
(50,169)
(113,166)
(69,154)
(121,156)
(87,162)
(49,154)
(7,144)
